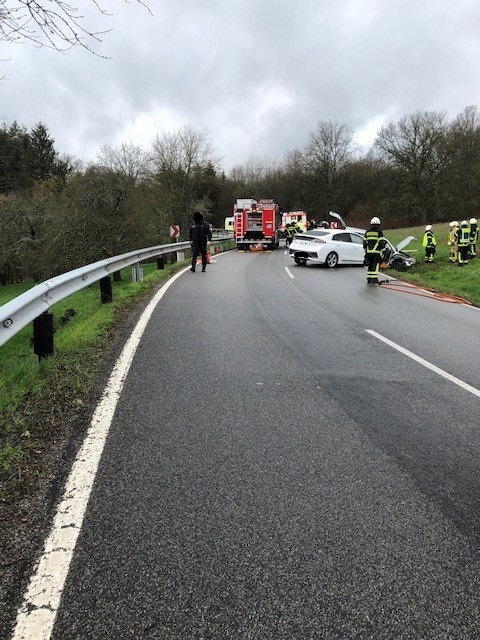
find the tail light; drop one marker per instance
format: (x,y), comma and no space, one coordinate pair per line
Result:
(319,241)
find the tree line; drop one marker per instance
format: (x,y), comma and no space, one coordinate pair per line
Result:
(57,214)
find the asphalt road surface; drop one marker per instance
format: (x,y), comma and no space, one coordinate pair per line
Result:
(275,471)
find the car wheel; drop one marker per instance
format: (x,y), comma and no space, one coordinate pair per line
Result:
(331,260)
(398,265)
(300,261)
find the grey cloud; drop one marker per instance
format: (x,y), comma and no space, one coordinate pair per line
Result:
(222,66)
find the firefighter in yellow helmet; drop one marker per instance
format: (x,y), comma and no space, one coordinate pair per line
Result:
(472,247)
(462,237)
(429,243)
(373,244)
(452,241)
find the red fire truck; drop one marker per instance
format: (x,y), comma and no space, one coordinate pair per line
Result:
(256,223)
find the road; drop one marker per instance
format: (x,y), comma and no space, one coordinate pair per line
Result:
(275,470)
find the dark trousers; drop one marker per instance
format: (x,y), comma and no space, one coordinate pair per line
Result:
(199,250)
(429,253)
(373,265)
(463,254)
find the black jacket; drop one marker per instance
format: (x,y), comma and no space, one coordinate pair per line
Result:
(374,241)
(200,232)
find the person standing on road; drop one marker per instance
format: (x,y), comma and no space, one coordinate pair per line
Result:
(289,228)
(429,243)
(200,235)
(472,247)
(373,244)
(462,237)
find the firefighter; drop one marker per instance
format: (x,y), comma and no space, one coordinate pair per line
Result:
(373,244)
(296,228)
(289,233)
(429,243)
(452,241)
(462,237)
(472,247)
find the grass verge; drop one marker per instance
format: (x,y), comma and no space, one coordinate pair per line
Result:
(441,275)
(37,400)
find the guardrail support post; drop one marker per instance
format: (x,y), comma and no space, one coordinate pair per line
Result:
(137,273)
(106,289)
(43,335)
(160,263)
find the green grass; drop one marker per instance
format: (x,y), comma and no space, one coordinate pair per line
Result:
(442,275)
(37,399)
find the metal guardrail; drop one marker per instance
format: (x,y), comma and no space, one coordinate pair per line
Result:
(17,313)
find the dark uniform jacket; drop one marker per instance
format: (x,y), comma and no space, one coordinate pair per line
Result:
(462,236)
(374,240)
(200,233)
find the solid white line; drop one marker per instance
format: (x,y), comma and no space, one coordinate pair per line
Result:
(426,364)
(36,615)
(289,273)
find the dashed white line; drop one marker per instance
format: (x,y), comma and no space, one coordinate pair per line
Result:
(289,273)
(36,615)
(425,363)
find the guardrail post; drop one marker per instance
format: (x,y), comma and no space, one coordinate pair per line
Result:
(43,335)
(160,263)
(137,273)
(106,289)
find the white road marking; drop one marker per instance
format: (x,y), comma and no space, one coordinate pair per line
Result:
(289,273)
(425,363)
(36,615)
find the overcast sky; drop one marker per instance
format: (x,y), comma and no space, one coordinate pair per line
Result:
(258,75)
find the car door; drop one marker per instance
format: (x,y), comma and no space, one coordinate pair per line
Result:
(358,251)
(343,246)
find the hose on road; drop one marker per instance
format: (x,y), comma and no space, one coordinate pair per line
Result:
(424,292)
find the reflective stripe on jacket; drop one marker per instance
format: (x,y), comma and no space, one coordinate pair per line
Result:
(374,241)
(429,239)
(452,236)
(463,236)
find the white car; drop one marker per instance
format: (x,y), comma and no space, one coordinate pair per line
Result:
(328,246)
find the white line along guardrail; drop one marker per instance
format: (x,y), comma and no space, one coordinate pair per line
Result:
(17,313)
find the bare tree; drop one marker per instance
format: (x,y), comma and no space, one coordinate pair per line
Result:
(51,23)
(179,162)
(464,136)
(416,148)
(329,151)
(128,160)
